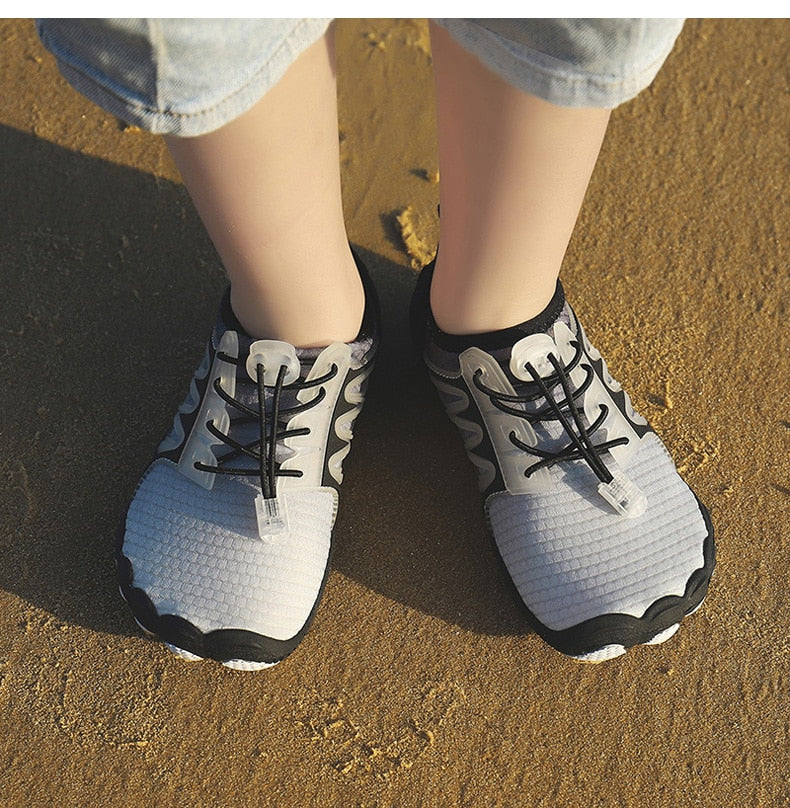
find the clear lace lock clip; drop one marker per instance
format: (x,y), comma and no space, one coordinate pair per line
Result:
(624,496)
(272,517)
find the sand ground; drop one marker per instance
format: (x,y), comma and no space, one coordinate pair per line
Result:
(420,683)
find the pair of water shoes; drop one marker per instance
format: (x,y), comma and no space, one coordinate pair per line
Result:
(225,547)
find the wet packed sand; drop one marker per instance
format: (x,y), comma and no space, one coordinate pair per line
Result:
(420,683)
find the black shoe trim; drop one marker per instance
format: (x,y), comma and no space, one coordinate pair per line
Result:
(334,442)
(424,326)
(484,450)
(623,629)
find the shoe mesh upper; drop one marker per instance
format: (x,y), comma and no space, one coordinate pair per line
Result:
(572,558)
(197,554)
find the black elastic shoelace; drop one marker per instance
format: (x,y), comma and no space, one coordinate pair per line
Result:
(565,410)
(272,427)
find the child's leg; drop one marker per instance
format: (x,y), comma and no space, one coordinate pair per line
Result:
(514,171)
(226,541)
(605,543)
(267,186)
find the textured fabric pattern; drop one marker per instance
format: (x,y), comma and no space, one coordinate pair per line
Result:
(572,558)
(182,77)
(197,554)
(571,62)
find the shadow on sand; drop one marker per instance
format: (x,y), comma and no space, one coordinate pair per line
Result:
(110,290)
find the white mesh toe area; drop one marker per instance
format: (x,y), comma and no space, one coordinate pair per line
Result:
(573,558)
(196,553)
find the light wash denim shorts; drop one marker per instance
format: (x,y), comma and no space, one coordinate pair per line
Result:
(190,76)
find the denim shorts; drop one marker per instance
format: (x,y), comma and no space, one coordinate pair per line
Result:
(190,76)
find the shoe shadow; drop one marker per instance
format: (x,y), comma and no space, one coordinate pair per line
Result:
(411,523)
(111,287)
